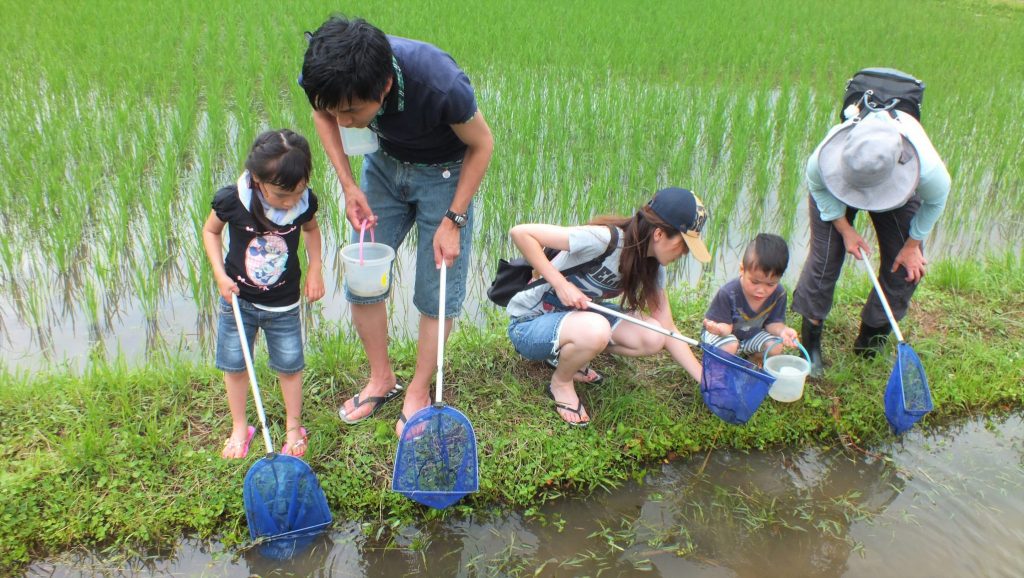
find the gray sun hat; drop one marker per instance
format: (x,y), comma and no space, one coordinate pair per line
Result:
(870,165)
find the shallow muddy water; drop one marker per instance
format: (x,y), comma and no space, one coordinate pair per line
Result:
(943,502)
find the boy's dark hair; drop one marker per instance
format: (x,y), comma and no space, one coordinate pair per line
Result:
(281,158)
(767,253)
(346,60)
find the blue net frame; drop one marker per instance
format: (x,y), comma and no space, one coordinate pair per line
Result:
(285,506)
(732,387)
(907,397)
(436,461)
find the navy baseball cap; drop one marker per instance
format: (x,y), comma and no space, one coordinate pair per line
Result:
(680,208)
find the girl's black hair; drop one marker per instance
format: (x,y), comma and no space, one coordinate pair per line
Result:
(280,158)
(637,269)
(346,60)
(767,253)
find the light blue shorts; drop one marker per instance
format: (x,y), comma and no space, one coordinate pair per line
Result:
(401,195)
(282,330)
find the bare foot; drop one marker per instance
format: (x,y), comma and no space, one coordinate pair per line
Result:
(409,408)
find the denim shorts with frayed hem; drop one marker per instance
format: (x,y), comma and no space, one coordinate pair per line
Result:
(282,331)
(401,195)
(536,337)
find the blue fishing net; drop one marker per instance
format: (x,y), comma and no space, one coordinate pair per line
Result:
(284,505)
(732,387)
(436,463)
(907,397)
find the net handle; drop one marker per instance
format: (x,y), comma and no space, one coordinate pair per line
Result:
(252,372)
(881,296)
(440,332)
(641,323)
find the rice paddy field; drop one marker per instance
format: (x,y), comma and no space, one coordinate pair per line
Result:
(120,119)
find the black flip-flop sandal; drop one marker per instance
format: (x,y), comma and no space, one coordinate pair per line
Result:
(377,400)
(578,410)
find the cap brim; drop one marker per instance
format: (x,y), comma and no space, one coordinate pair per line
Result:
(893,193)
(697,247)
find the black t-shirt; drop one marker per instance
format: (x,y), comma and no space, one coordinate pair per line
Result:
(263,262)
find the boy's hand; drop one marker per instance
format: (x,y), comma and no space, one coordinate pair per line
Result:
(718,328)
(314,284)
(789,336)
(226,287)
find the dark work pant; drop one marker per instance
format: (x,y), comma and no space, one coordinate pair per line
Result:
(816,288)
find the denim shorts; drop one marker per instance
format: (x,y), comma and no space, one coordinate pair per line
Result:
(282,331)
(536,337)
(401,195)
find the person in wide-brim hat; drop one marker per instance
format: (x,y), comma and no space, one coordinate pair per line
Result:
(885,164)
(870,165)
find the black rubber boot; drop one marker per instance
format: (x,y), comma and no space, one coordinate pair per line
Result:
(871,340)
(810,338)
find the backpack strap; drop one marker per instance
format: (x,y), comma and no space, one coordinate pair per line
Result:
(613,242)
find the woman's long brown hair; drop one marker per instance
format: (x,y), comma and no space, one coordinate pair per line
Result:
(637,269)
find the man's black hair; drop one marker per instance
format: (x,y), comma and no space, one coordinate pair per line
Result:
(346,60)
(767,253)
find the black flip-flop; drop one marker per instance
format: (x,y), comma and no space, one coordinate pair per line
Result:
(585,371)
(565,407)
(376,400)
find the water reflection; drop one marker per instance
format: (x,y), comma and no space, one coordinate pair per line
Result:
(939,503)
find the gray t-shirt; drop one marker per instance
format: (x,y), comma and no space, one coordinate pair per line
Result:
(585,243)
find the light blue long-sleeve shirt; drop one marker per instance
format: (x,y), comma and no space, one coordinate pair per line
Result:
(933,186)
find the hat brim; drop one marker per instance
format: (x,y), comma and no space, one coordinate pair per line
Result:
(892,193)
(697,247)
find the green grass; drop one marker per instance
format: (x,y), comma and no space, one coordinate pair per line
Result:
(128,458)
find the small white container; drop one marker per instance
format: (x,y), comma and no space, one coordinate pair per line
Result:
(789,372)
(368,276)
(358,141)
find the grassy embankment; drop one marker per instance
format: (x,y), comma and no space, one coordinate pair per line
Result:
(129,458)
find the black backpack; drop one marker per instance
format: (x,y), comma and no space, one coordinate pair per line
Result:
(874,89)
(517,275)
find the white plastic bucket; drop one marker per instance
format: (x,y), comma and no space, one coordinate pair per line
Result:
(789,372)
(369,276)
(358,141)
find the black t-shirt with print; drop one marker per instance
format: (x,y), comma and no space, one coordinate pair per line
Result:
(264,263)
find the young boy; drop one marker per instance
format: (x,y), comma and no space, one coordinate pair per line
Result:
(748,314)
(434,150)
